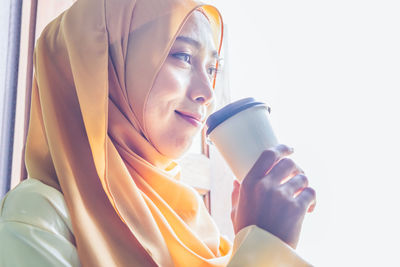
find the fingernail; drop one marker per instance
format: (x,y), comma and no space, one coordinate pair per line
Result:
(311,208)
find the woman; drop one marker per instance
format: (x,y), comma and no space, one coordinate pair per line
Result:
(121,88)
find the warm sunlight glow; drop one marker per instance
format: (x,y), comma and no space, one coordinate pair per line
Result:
(330,71)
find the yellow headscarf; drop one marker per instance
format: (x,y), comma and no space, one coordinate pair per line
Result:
(94,67)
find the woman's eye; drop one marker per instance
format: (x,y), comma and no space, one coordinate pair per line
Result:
(215,68)
(212,71)
(183,56)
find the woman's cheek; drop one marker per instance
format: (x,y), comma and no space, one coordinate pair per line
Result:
(178,78)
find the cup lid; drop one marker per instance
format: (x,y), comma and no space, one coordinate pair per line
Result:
(230,110)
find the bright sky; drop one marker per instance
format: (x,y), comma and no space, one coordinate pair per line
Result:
(331,72)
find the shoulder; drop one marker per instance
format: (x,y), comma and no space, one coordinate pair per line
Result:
(35,229)
(35,204)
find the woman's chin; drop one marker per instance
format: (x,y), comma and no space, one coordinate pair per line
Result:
(177,154)
(177,151)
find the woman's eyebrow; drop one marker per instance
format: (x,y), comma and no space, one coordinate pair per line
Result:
(196,44)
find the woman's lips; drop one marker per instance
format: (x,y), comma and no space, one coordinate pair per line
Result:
(189,119)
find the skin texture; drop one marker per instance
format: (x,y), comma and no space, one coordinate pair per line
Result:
(184,84)
(274,195)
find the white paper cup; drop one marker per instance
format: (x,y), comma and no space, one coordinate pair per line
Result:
(241,131)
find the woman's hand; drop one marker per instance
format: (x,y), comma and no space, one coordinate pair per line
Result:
(274,196)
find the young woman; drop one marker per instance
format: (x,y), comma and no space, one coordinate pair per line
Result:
(121,89)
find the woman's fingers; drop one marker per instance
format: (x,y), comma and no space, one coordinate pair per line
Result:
(284,170)
(307,199)
(274,195)
(295,184)
(266,161)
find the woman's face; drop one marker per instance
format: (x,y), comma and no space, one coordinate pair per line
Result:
(182,95)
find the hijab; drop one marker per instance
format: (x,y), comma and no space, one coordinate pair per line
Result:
(95,65)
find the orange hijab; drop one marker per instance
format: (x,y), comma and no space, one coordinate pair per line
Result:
(94,67)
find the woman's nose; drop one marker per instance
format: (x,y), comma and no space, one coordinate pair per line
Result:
(202,90)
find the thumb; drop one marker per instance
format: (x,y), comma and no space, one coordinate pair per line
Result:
(235,198)
(235,193)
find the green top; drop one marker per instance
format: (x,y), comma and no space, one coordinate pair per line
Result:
(35,230)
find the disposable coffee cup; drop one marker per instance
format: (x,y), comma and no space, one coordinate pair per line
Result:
(241,131)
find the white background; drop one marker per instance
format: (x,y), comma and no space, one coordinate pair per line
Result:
(331,72)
